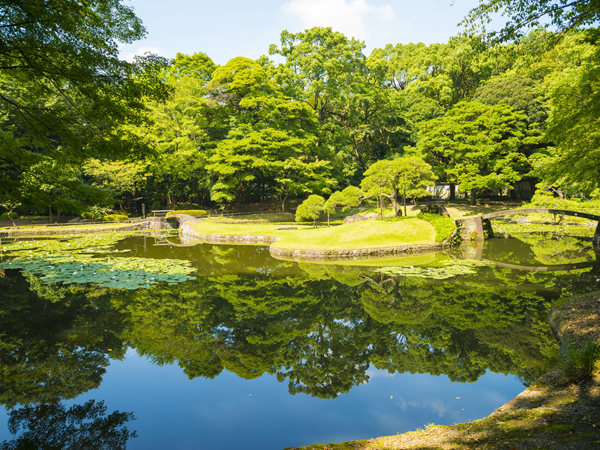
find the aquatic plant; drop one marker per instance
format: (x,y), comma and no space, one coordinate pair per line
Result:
(84,260)
(449,269)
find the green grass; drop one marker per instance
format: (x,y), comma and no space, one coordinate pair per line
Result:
(444,226)
(375,233)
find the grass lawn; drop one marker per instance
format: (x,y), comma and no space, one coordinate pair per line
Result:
(375,233)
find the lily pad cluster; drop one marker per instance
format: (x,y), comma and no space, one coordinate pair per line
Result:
(449,269)
(85,261)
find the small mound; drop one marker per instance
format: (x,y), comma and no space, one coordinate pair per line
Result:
(377,233)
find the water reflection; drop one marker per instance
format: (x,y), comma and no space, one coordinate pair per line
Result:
(52,426)
(317,327)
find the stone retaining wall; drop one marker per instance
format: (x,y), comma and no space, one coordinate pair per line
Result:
(189,234)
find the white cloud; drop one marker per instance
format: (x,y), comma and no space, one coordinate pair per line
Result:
(144,49)
(346,16)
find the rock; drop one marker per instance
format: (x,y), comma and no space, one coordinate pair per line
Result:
(435,209)
(354,218)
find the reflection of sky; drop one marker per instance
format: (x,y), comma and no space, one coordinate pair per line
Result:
(230,413)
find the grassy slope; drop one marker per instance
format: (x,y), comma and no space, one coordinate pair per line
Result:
(375,233)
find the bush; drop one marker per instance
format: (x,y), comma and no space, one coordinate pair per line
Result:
(115,218)
(87,216)
(188,206)
(190,212)
(5,216)
(444,226)
(578,363)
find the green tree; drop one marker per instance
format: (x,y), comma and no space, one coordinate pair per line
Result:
(349,197)
(311,208)
(412,175)
(477,146)
(524,15)
(121,177)
(379,182)
(64,90)
(574,99)
(271,137)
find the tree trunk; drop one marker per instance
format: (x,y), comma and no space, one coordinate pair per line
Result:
(404,200)
(473,196)
(452,191)
(49,214)
(395,203)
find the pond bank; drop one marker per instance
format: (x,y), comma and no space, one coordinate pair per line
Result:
(71,230)
(550,414)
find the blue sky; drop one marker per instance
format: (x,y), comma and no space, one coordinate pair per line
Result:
(224,29)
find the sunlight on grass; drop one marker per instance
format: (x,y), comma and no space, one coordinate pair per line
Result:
(374,233)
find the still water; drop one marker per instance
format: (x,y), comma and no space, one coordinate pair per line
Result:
(252,352)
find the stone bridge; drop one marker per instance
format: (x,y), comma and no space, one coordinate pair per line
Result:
(480,227)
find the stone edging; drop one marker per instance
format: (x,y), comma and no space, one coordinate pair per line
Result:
(285,253)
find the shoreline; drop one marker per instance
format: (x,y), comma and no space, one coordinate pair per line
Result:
(550,414)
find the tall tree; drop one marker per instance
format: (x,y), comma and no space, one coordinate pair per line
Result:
(64,90)
(477,146)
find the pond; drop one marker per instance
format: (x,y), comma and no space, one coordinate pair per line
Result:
(222,346)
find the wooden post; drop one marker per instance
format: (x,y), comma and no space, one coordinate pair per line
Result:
(596,240)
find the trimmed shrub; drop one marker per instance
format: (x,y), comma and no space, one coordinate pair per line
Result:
(87,216)
(5,216)
(115,218)
(190,212)
(444,226)
(188,206)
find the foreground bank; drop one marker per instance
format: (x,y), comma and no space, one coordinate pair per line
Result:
(551,414)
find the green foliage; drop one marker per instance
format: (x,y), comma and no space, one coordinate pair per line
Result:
(115,218)
(579,362)
(519,92)
(525,15)
(187,206)
(444,226)
(574,98)
(477,146)
(190,212)
(311,208)
(61,117)
(96,212)
(11,215)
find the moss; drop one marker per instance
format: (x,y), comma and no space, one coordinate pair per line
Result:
(558,428)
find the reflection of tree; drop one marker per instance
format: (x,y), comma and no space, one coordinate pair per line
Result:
(54,346)
(52,427)
(461,328)
(540,249)
(321,334)
(317,326)
(554,250)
